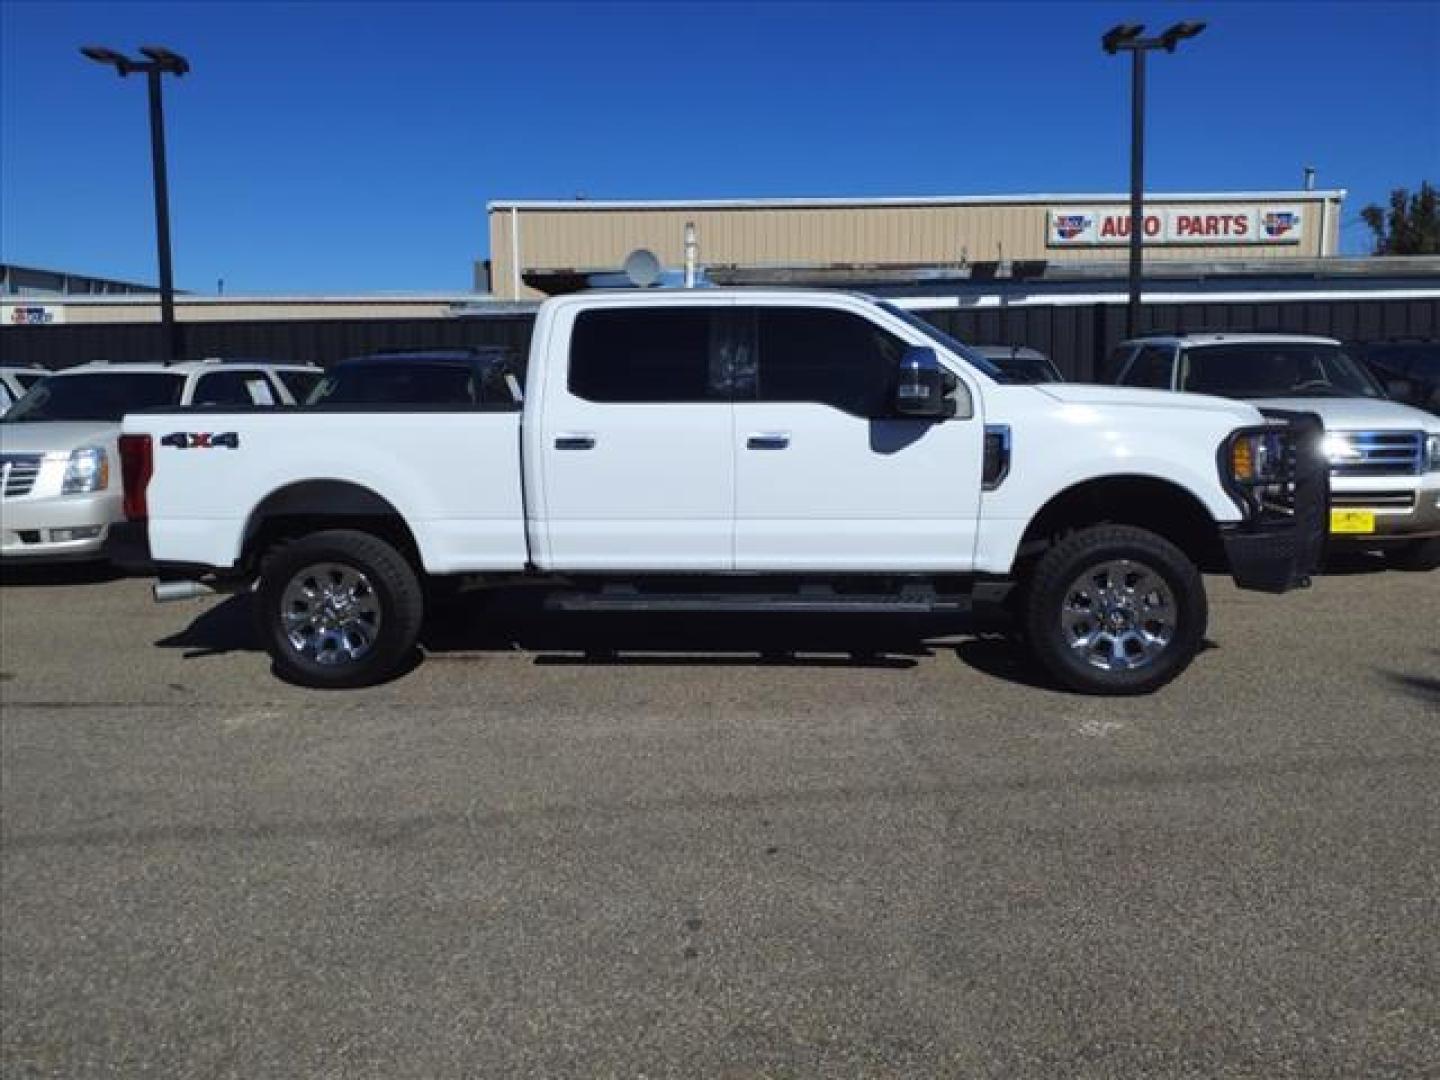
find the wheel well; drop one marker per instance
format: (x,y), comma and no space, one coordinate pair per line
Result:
(1142,501)
(315,505)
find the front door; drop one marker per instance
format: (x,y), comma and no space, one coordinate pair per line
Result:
(827,476)
(637,444)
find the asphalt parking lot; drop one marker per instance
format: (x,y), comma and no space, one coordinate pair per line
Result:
(601,846)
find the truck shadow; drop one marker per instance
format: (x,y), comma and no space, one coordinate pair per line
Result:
(44,575)
(507,622)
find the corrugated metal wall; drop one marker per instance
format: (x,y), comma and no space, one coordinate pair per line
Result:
(318,341)
(1077,337)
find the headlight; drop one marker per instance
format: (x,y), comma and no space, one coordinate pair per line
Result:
(1432,453)
(1340,448)
(1256,458)
(87,470)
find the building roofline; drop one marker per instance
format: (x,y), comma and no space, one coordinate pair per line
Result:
(1333,194)
(185,300)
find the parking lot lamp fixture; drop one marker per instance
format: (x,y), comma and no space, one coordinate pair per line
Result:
(1127,38)
(158,61)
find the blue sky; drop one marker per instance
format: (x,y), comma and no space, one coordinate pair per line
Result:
(334,147)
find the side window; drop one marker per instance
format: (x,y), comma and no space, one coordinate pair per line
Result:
(1151,368)
(5,399)
(299,383)
(829,357)
(652,355)
(1115,362)
(233,388)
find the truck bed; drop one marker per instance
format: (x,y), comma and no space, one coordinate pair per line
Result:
(453,475)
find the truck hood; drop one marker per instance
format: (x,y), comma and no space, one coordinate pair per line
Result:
(55,436)
(1101,396)
(1354,414)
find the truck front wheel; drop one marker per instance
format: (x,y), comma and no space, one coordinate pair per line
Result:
(338,609)
(1113,609)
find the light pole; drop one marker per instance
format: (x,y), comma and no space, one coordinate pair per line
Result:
(159,61)
(1126,38)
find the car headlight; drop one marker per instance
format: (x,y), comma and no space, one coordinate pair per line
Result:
(87,470)
(1340,449)
(1432,453)
(1257,458)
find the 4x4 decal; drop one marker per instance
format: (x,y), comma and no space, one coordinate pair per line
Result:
(201,440)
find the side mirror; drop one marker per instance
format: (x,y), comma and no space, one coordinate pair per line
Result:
(922,385)
(1400,389)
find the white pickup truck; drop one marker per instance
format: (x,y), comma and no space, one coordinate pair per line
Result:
(739,450)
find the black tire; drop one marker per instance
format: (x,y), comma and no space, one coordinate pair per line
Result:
(367,654)
(1138,618)
(1417,555)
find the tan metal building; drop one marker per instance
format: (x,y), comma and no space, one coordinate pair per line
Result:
(540,237)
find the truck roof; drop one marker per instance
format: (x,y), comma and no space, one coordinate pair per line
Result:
(1229,338)
(750,292)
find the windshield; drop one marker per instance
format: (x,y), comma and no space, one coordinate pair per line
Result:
(100,396)
(1281,369)
(930,330)
(1025,369)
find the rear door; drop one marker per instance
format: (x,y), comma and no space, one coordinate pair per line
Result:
(828,477)
(638,469)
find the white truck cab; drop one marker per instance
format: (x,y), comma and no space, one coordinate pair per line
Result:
(739,449)
(1384,455)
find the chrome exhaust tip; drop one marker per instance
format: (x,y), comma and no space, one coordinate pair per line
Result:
(167,592)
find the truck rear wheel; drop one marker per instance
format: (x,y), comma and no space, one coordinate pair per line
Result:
(339,609)
(1114,610)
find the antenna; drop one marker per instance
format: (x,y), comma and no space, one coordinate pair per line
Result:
(692,251)
(642,268)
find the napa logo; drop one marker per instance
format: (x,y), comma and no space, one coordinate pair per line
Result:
(1279,223)
(1070,226)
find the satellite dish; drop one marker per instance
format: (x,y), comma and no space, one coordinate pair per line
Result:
(642,268)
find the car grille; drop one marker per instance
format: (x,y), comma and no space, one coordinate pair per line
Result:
(17,474)
(1376,453)
(1402,501)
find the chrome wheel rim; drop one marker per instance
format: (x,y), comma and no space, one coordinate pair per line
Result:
(1118,615)
(330,614)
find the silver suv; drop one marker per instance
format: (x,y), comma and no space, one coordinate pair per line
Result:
(1384,456)
(60,489)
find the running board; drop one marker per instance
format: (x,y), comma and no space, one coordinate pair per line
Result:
(918,602)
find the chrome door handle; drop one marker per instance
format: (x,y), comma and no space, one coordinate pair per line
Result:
(574,442)
(768,440)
